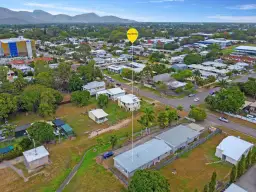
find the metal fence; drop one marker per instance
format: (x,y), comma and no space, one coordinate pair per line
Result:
(187,149)
(120,176)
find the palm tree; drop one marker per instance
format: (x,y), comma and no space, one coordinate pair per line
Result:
(223,83)
(148,117)
(197,73)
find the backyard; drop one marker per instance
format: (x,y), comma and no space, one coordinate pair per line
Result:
(192,170)
(66,155)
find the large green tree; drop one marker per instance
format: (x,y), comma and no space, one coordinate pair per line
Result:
(241,167)
(38,98)
(193,59)
(41,132)
(81,98)
(45,78)
(227,100)
(8,104)
(148,181)
(75,83)
(62,76)
(197,113)
(102,100)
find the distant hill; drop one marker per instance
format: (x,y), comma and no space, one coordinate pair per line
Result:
(8,16)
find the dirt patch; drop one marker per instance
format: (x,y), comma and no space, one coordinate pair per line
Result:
(112,128)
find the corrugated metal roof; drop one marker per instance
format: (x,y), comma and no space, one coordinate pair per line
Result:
(178,135)
(234,188)
(142,154)
(234,147)
(35,154)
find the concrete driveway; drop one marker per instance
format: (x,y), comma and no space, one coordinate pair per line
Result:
(248,180)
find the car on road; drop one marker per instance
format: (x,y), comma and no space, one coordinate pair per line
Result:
(111,80)
(250,116)
(191,95)
(223,119)
(118,84)
(108,154)
(196,99)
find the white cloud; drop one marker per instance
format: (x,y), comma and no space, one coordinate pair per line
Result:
(17,9)
(244,7)
(238,19)
(163,1)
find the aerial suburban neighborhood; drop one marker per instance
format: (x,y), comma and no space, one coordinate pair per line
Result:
(99,103)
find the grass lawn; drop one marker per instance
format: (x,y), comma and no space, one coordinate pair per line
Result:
(94,177)
(192,171)
(81,123)
(66,155)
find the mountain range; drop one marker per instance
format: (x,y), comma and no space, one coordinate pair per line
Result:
(8,16)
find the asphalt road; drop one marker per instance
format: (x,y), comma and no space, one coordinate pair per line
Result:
(245,78)
(186,102)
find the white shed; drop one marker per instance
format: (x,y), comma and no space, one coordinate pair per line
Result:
(36,157)
(98,115)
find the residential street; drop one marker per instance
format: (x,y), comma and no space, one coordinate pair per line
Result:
(187,101)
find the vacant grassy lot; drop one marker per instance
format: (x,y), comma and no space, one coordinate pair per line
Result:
(192,171)
(94,177)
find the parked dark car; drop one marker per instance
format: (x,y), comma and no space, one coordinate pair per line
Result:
(108,154)
(118,84)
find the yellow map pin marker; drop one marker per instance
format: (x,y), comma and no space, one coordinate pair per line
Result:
(132,35)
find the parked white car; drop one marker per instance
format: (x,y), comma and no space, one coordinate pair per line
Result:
(196,99)
(223,119)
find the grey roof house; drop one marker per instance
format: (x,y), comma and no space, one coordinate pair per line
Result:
(179,137)
(162,78)
(94,87)
(144,156)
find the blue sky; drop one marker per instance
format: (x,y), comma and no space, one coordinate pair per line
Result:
(148,10)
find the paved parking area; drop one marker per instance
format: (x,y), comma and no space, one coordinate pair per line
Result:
(248,180)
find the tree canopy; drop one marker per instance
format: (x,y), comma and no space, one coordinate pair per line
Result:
(41,132)
(197,113)
(227,100)
(148,181)
(193,59)
(81,98)
(8,104)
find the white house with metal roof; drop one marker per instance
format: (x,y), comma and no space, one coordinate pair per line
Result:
(130,102)
(98,115)
(232,148)
(36,157)
(94,87)
(113,93)
(142,157)
(179,137)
